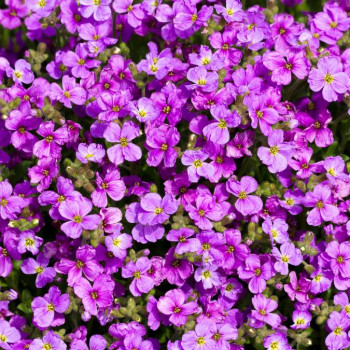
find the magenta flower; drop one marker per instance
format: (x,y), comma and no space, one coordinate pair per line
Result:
(94,152)
(184,243)
(50,145)
(99,295)
(246,204)
(22,72)
(339,326)
(48,310)
(287,254)
(50,340)
(28,242)
(239,146)
(283,65)
(161,142)
(70,92)
(10,205)
(85,263)
(40,267)
(133,12)
(197,166)
(298,289)
(20,124)
(200,338)
(100,9)
(141,283)
(257,271)
(79,62)
(144,110)
(118,243)
(42,8)
(155,209)
(114,105)
(8,335)
(263,310)
(77,214)
(202,79)
(301,319)
(208,276)
(217,131)
(323,205)
(111,185)
(188,17)
(232,12)
(276,157)
(330,78)
(124,150)
(173,304)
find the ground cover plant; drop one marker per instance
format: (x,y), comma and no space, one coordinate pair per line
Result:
(174,174)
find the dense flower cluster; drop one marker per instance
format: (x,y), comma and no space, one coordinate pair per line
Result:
(174,175)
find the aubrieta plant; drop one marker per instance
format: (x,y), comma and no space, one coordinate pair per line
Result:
(174,174)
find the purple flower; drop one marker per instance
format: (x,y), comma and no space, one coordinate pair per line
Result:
(96,342)
(29,242)
(276,157)
(111,185)
(173,304)
(100,9)
(134,13)
(124,149)
(197,166)
(298,289)
(118,243)
(50,145)
(10,205)
(338,325)
(232,12)
(8,335)
(257,271)
(185,244)
(287,254)
(275,341)
(200,338)
(263,310)
(201,78)
(282,66)
(239,146)
(301,319)
(217,131)
(323,205)
(245,204)
(22,72)
(94,152)
(42,8)
(45,274)
(79,62)
(208,276)
(85,263)
(144,110)
(161,142)
(330,78)
(70,92)
(141,283)
(277,230)
(188,17)
(50,340)
(77,214)
(114,105)
(19,122)
(99,295)
(155,209)
(48,310)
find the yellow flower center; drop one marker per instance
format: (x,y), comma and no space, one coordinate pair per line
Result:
(50,307)
(66,94)
(201,212)
(290,201)
(328,78)
(205,246)
(42,3)
(3,338)
(201,341)
(300,321)
(116,242)
(257,272)
(137,274)
(164,147)
(39,270)
(289,66)
(197,163)
(205,61)
(142,113)
(158,211)
(242,195)
(340,259)
(338,331)
(274,150)
(177,310)
(167,109)
(29,242)
(81,61)
(94,295)
(18,75)
(284,258)
(123,142)
(229,12)
(222,124)
(115,108)
(333,24)
(3,202)
(78,219)
(262,312)
(319,205)
(206,274)
(80,264)
(318,277)
(331,171)
(47,346)
(201,82)
(194,17)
